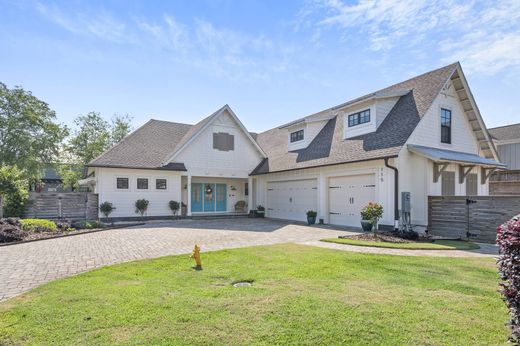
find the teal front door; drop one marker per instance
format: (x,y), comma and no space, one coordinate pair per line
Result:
(221,197)
(196,197)
(209,197)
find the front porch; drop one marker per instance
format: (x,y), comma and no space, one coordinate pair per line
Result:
(216,196)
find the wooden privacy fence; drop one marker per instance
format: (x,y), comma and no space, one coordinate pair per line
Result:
(455,216)
(68,206)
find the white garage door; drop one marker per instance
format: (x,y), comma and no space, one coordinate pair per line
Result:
(291,199)
(347,196)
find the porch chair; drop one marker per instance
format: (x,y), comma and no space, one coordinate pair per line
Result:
(240,206)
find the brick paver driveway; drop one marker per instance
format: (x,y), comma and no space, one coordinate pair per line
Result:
(25,266)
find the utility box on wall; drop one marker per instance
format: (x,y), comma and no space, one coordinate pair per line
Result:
(406,204)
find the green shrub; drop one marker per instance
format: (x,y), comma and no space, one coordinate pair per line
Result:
(87,224)
(13,188)
(106,208)
(38,225)
(174,206)
(141,206)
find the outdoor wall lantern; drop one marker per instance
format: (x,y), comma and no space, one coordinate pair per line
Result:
(209,189)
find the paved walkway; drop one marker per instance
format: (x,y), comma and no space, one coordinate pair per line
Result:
(486,250)
(26,266)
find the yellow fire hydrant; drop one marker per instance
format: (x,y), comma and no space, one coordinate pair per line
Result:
(196,256)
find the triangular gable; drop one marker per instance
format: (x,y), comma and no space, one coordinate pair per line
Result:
(199,128)
(459,81)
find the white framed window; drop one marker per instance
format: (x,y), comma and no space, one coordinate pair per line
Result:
(142,183)
(123,183)
(161,184)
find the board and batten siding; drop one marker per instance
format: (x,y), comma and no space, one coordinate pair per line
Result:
(384,181)
(201,159)
(416,172)
(510,155)
(124,200)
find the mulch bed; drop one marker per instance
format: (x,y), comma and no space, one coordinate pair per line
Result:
(36,236)
(385,237)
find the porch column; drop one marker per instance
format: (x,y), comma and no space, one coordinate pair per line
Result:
(188,207)
(250,194)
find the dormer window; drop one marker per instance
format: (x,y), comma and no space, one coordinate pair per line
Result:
(359,118)
(296,136)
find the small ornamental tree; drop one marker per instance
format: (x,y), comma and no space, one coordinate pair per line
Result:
(106,209)
(508,240)
(141,206)
(174,206)
(372,212)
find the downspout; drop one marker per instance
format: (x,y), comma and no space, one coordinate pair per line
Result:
(396,193)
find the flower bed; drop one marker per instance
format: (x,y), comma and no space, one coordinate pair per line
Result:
(14,230)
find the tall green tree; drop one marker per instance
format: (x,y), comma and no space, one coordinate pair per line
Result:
(121,127)
(13,191)
(30,137)
(93,135)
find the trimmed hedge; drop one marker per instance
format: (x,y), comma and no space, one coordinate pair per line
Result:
(38,225)
(88,224)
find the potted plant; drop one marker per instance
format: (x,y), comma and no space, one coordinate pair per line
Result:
(370,215)
(311,217)
(174,207)
(106,208)
(141,206)
(184,209)
(260,211)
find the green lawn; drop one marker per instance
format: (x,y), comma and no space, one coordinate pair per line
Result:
(437,245)
(300,295)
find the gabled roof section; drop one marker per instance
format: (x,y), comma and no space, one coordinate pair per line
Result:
(506,133)
(199,128)
(416,96)
(146,147)
(473,113)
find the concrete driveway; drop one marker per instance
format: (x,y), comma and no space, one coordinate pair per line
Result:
(26,266)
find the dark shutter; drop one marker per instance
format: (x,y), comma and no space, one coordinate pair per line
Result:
(448,183)
(223,141)
(472,184)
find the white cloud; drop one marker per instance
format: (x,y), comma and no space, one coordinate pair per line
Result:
(99,24)
(484,35)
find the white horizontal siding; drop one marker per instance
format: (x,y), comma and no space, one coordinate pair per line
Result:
(124,200)
(201,159)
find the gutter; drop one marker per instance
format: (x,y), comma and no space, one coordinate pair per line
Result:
(396,193)
(252,174)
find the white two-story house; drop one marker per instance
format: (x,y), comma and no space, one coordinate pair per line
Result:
(424,136)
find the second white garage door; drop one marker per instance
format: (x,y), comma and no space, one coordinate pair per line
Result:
(291,199)
(347,196)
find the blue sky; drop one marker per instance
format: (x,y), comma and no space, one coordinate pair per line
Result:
(271,61)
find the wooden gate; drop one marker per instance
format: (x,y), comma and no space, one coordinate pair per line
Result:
(475,216)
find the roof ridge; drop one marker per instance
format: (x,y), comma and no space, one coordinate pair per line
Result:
(499,127)
(360,98)
(168,121)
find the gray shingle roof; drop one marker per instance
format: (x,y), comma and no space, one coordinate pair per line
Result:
(504,133)
(146,147)
(329,147)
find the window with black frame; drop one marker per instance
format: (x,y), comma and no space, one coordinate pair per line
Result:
(142,183)
(359,118)
(445,126)
(296,136)
(122,183)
